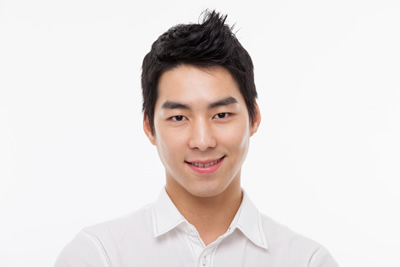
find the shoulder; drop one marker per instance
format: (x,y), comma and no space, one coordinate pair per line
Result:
(97,245)
(278,234)
(301,250)
(115,230)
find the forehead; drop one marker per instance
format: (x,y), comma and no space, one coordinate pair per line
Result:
(191,84)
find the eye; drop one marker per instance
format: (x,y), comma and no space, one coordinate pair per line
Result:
(178,118)
(222,115)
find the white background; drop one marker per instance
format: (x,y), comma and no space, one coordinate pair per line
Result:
(325,161)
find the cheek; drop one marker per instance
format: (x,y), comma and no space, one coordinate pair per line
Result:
(168,144)
(237,137)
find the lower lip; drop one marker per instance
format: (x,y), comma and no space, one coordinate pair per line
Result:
(206,170)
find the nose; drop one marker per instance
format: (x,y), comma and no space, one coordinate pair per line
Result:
(202,136)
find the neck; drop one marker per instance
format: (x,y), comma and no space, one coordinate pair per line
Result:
(211,216)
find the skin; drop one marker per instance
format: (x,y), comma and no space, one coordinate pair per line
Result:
(200,117)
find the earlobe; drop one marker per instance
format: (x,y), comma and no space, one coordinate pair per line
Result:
(256,119)
(147,130)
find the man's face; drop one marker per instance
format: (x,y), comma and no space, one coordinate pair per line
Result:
(202,130)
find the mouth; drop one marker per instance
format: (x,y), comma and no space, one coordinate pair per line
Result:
(205,164)
(206,167)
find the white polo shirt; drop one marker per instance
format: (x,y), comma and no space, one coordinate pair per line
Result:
(158,235)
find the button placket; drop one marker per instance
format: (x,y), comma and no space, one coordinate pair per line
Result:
(205,258)
(204,261)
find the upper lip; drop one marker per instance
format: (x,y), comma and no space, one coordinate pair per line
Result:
(204,161)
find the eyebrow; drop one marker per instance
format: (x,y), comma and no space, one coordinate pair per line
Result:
(174,105)
(223,102)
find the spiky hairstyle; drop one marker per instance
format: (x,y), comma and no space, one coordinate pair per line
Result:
(207,44)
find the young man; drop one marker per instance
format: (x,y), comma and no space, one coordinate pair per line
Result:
(200,110)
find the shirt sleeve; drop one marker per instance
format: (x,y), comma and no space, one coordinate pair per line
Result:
(85,250)
(322,258)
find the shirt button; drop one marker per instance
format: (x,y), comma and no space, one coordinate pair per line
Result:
(205,261)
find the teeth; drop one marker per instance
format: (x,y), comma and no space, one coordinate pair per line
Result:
(205,164)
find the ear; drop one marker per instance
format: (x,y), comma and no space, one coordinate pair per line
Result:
(256,119)
(147,130)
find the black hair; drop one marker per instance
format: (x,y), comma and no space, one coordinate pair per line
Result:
(206,44)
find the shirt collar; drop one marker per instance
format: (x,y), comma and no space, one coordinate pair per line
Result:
(165,215)
(248,219)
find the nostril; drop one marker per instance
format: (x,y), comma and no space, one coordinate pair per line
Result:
(202,138)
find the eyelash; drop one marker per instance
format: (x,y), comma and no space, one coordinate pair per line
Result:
(174,118)
(180,118)
(226,114)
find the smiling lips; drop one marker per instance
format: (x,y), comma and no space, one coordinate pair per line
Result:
(206,167)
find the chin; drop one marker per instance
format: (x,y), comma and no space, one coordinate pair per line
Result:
(205,191)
